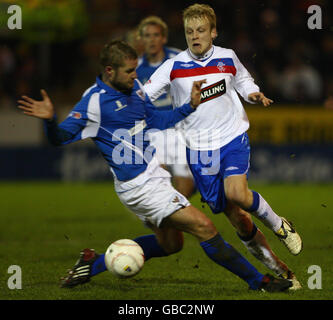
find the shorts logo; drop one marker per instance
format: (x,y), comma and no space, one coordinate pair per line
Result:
(213,91)
(231,168)
(175,200)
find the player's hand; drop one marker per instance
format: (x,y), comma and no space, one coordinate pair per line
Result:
(40,109)
(196,93)
(260,98)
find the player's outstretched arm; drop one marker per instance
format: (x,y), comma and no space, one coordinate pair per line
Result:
(168,119)
(40,109)
(44,110)
(196,93)
(259,97)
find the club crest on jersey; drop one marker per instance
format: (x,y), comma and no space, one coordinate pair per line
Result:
(120,105)
(220,66)
(75,115)
(213,91)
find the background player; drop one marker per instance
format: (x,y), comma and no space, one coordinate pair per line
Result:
(114,112)
(220,134)
(170,145)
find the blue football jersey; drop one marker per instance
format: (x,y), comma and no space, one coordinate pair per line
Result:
(145,70)
(118,124)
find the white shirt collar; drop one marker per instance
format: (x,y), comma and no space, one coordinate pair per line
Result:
(204,57)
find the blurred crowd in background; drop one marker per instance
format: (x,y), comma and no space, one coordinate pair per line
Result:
(290,62)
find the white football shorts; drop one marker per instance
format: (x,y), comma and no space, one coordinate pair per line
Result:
(154,200)
(171,151)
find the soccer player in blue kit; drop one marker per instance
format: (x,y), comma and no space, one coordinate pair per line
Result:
(169,144)
(116,113)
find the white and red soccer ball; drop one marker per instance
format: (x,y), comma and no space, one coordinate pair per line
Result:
(124,258)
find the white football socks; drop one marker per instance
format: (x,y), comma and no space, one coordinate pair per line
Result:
(266,214)
(260,249)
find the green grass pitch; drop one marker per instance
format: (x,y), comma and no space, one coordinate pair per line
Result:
(45,225)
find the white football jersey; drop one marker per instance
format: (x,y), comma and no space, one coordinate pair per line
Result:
(220,117)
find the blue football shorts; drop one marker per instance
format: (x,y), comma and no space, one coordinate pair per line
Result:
(210,168)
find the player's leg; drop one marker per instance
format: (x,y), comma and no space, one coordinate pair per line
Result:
(210,186)
(196,223)
(256,243)
(237,192)
(253,239)
(185,185)
(163,242)
(212,189)
(234,168)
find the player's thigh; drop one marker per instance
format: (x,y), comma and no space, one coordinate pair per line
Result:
(184,185)
(193,221)
(237,190)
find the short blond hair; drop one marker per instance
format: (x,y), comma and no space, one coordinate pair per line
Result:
(200,11)
(156,21)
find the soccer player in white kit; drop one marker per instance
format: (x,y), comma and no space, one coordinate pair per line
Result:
(218,149)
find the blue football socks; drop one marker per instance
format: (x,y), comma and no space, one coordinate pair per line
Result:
(98,266)
(225,255)
(150,246)
(255,204)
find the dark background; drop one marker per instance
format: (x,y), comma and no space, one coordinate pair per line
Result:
(290,62)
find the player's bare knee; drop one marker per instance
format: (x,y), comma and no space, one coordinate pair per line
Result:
(205,229)
(237,196)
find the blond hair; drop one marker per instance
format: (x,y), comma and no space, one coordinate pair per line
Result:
(156,21)
(200,11)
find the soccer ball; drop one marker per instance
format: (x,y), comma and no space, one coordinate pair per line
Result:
(124,258)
